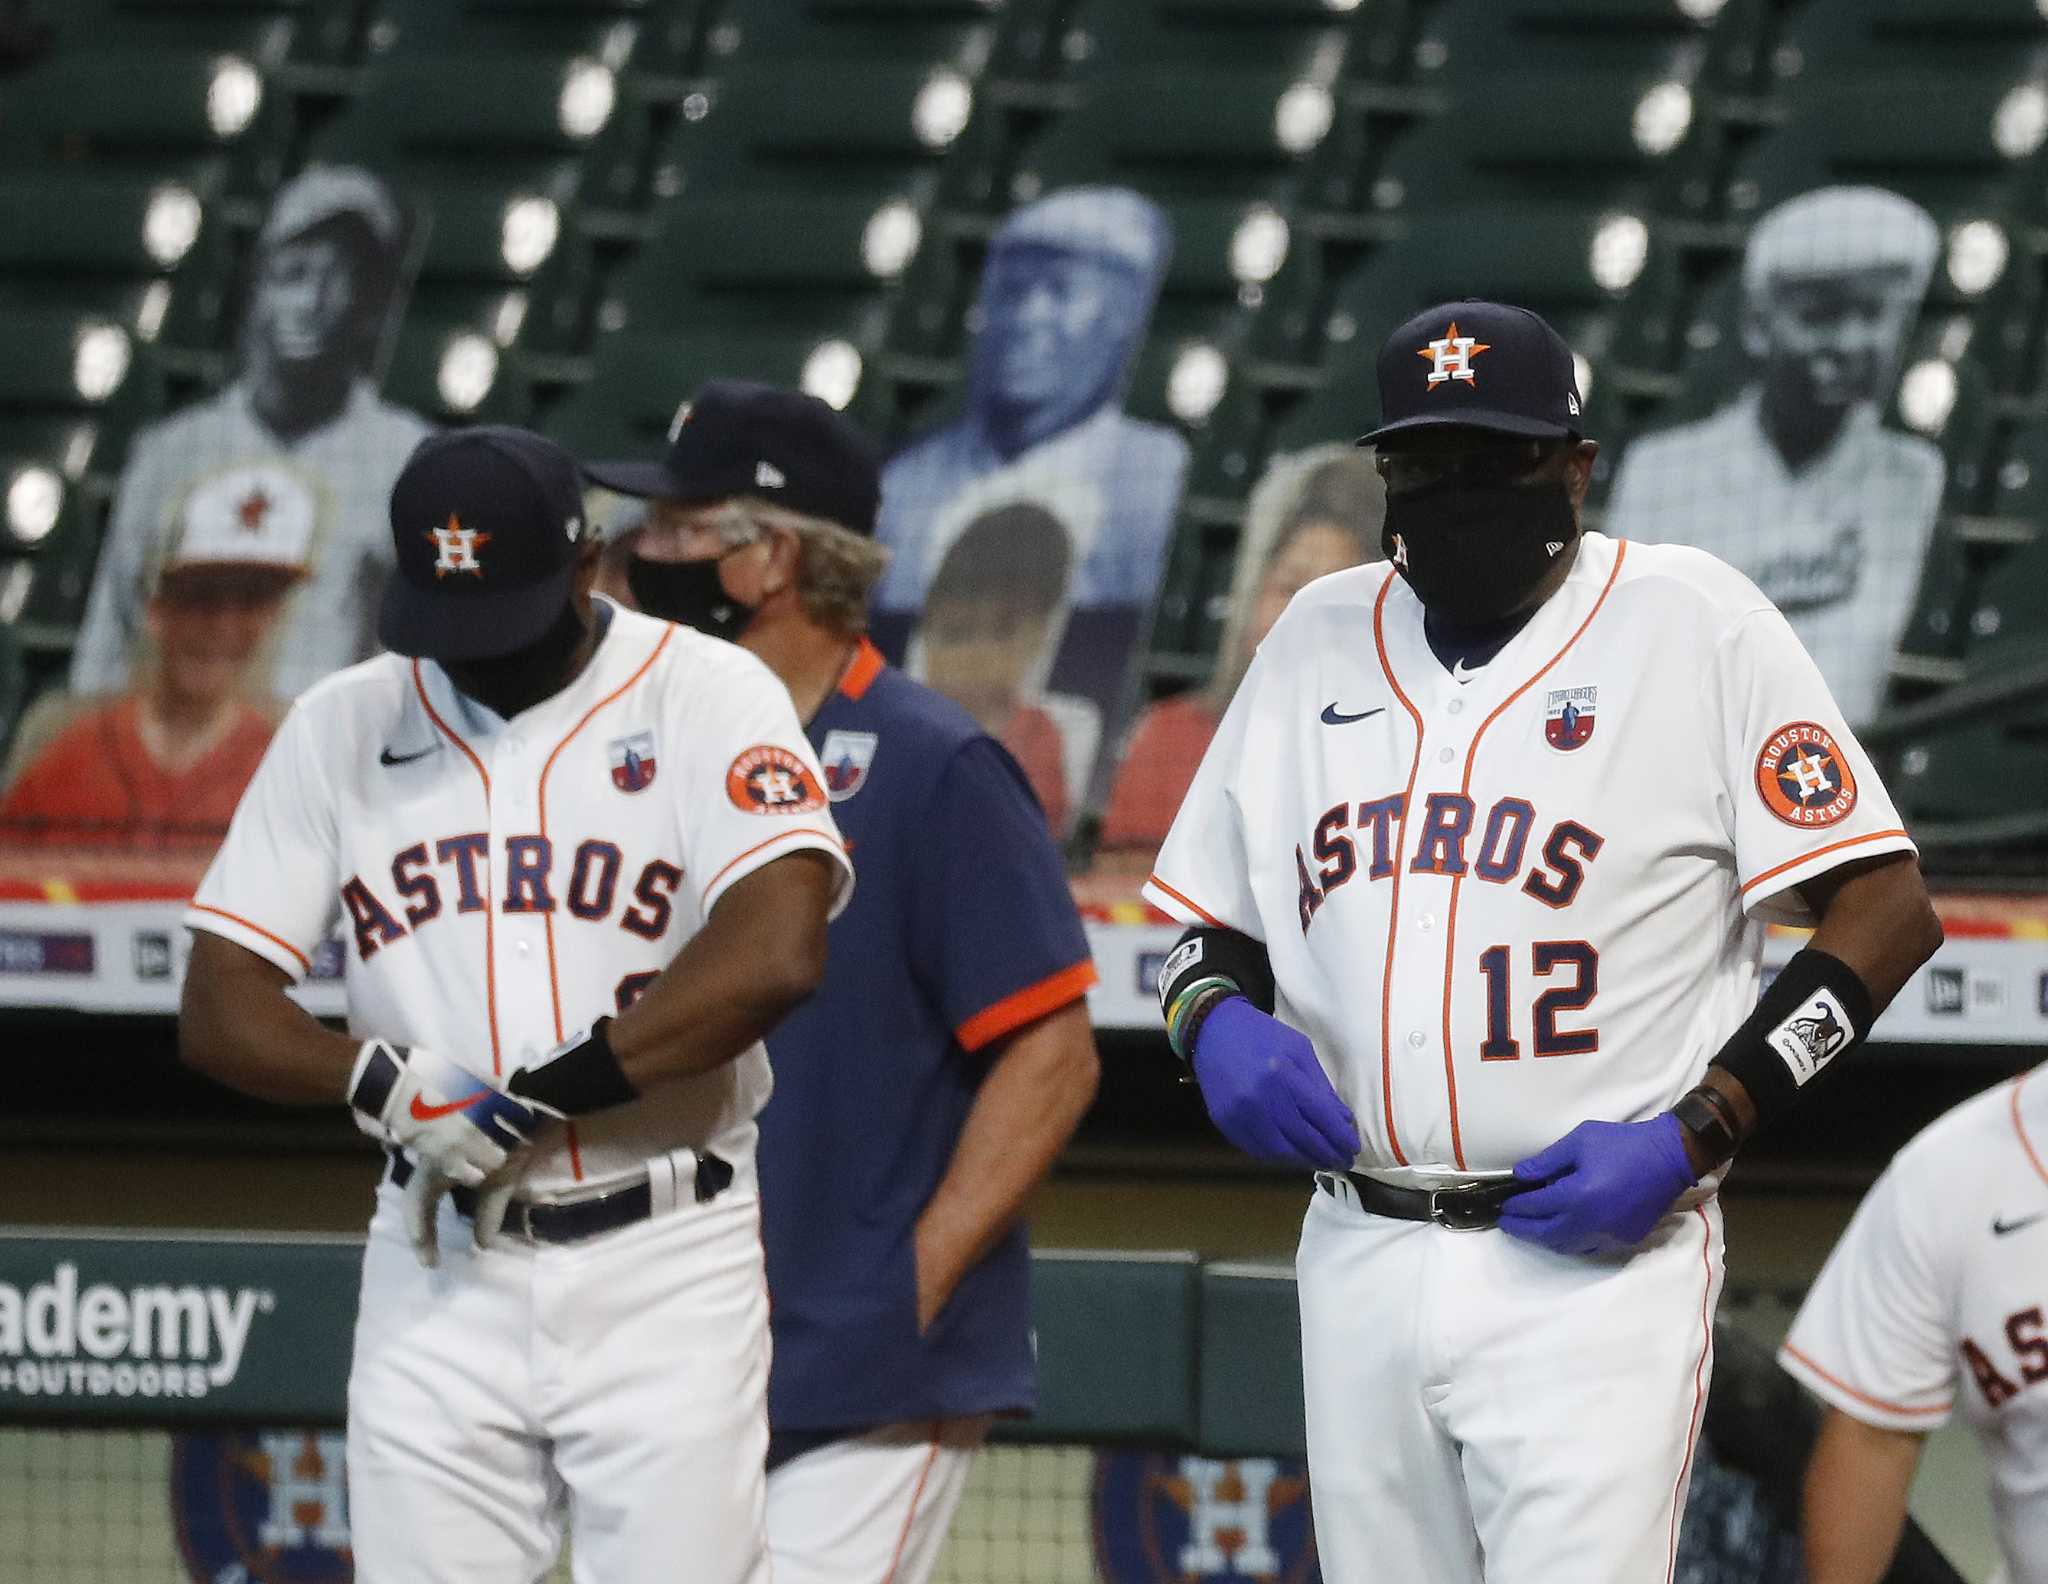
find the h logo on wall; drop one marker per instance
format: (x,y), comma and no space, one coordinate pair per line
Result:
(263,1504)
(1167,1519)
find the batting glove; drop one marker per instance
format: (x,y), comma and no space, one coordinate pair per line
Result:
(1604,1185)
(1267,1093)
(456,1126)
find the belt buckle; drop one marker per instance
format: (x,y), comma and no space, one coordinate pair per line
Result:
(1462,1208)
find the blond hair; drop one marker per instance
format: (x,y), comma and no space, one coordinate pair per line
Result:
(837,568)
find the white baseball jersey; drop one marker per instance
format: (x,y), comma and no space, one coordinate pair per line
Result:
(339,476)
(1838,545)
(1503,905)
(500,884)
(1935,1297)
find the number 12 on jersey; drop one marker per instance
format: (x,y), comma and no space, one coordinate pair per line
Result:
(1546,958)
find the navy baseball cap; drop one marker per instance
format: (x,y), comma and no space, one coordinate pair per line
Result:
(1480,365)
(738,438)
(488,524)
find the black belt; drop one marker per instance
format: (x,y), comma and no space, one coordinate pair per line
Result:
(1462,1207)
(539,1222)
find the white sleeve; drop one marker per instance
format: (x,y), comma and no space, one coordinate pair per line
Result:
(755,792)
(274,885)
(1801,794)
(1872,1338)
(1202,874)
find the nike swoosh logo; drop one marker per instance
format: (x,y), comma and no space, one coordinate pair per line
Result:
(427,1113)
(1332,716)
(2000,1226)
(387,757)
(1460,674)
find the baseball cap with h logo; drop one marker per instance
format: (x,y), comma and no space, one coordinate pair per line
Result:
(488,525)
(1478,365)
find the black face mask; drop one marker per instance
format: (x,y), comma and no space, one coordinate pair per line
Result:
(689,592)
(517,681)
(1473,552)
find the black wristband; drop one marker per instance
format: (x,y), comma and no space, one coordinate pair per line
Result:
(1215,953)
(1814,1011)
(578,1077)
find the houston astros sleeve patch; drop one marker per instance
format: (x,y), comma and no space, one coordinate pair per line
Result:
(766,779)
(1804,777)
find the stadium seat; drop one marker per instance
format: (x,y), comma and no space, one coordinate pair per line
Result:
(1982,769)
(454,373)
(1464,43)
(639,376)
(970,36)
(2011,601)
(1295,38)
(267,32)
(72,387)
(1830,36)
(833,127)
(199,117)
(1639,141)
(142,254)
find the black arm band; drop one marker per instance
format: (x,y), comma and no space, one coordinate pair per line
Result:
(1208,953)
(1814,1011)
(584,1077)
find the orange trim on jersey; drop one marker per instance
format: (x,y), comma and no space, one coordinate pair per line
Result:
(490,904)
(1699,1385)
(801,830)
(1819,852)
(250,924)
(575,1154)
(541,803)
(1465,791)
(2020,1128)
(1394,903)
(1193,907)
(1861,1396)
(861,671)
(916,1498)
(1028,1005)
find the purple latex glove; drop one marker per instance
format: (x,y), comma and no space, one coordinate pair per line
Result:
(1267,1093)
(1604,1186)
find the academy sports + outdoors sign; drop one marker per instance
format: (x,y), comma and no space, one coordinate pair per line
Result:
(168,1327)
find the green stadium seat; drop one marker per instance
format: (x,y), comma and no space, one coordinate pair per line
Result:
(2019,483)
(199,117)
(639,376)
(614,31)
(1828,36)
(1184,132)
(1971,145)
(143,254)
(1464,43)
(2011,601)
(72,387)
(268,32)
(1987,769)
(1295,38)
(837,127)
(1638,141)
(970,36)
(454,373)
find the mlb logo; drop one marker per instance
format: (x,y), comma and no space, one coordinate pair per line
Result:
(633,761)
(846,756)
(1568,717)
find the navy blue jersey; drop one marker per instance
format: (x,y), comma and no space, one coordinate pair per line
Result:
(961,931)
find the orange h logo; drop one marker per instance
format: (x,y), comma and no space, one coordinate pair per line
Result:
(1450,356)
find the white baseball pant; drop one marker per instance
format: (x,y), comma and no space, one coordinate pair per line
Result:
(871,1509)
(618,1384)
(1483,1411)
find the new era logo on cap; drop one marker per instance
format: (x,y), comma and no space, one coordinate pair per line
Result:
(769,476)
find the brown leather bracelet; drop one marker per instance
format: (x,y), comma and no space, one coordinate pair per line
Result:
(1709,1116)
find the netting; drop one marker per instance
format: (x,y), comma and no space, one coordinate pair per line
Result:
(97,1507)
